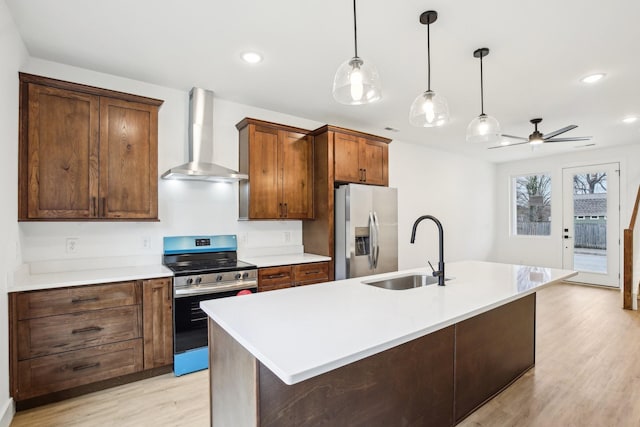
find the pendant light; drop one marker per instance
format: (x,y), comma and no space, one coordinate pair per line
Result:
(429,109)
(356,82)
(484,128)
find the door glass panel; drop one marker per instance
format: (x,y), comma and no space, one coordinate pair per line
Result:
(590,222)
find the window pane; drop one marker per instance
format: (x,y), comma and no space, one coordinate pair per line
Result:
(532,205)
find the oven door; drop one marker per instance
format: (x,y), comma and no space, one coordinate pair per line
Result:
(190,322)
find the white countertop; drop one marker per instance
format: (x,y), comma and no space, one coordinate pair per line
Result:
(305,331)
(59,279)
(295,258)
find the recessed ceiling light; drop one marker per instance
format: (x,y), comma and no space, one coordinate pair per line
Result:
(251,57)
(630,119)
(592,78)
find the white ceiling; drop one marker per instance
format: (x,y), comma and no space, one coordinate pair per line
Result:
(539,51)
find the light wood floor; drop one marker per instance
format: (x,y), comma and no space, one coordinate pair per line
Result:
(587,374)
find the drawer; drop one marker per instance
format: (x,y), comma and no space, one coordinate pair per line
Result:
(272,276)
(75,299)
(316,272)
(56,334)
(57,372)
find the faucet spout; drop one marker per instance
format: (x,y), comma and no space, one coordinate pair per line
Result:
(440,272)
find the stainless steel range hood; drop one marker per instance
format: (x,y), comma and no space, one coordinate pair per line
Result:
(200,166)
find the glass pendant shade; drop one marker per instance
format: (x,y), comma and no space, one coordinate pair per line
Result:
(484,129)
(429,110)
(356,82)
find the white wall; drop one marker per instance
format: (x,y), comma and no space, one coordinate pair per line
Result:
(184,207)
(457,190)
(547,251)
(429,181)
(14,54)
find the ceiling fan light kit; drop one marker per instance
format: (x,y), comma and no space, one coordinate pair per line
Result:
(429,109)
(357,81)
(484,128)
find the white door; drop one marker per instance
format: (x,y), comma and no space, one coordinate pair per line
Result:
(591,223)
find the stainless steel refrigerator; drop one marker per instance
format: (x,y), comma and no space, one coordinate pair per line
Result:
(366,224)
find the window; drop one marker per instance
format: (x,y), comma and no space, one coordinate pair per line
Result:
(532,205)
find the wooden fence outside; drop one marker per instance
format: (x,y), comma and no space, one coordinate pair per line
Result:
(586,236)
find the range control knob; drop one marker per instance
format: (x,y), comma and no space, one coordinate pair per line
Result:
(219,278)
(189,281)
(238,275)
(245,275)
(198,280)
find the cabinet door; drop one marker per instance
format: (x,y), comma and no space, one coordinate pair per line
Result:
(296,168)
(157,318)
(62,153)
(128,160)
(307,274)
(374,161)
(263,172)
(346,164)
(272,278)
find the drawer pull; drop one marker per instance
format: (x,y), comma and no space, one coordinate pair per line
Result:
(313,272)
(81,300)
(86,366)
(276,276)
(87,329)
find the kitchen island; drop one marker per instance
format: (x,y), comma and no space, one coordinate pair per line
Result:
(347,353)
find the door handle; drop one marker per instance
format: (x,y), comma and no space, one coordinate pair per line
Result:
(376,225)
(566,236)
(372,233)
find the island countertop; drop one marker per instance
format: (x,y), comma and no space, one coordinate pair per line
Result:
(302,332)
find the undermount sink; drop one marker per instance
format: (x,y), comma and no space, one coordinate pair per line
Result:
(409,281)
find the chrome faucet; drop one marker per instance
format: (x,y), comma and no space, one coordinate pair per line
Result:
(440,272)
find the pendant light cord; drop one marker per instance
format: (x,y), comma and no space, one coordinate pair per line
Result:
(355,29)
(481,89)
(428,59)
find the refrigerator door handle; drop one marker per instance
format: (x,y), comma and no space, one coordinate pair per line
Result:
(377,240)
(372,232)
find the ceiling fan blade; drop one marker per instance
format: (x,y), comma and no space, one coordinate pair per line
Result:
(509,145)
(559,131)
(516,137)
(575,138)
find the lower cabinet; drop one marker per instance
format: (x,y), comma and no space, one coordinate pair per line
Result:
(64,339)
(157,301)
(286,276)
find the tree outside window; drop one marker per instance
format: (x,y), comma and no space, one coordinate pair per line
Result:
(533,205)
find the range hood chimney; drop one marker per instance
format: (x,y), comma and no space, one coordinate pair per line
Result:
(200,166)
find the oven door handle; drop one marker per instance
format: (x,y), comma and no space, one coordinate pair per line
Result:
(214,289)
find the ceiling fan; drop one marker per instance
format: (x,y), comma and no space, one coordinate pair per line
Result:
(537,137)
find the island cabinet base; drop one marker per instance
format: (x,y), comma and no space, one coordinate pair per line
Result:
(435,380)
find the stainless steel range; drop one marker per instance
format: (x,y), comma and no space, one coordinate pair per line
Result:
(204,267)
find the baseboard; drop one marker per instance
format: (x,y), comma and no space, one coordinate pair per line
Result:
(6,413)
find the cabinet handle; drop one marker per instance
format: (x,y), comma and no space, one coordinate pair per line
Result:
(276,276)
(85,366)
(93,202)
(286,210)
(312,272)
(364,174)
(280,210)
(87,329)
(81,300)
(104,206)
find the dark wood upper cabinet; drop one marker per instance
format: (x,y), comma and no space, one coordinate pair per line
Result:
(279,162)
(86,153)
(358,157)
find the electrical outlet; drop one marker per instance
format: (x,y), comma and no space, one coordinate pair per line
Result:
(72,245)
(146,242)
(287,236)
(244,239)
